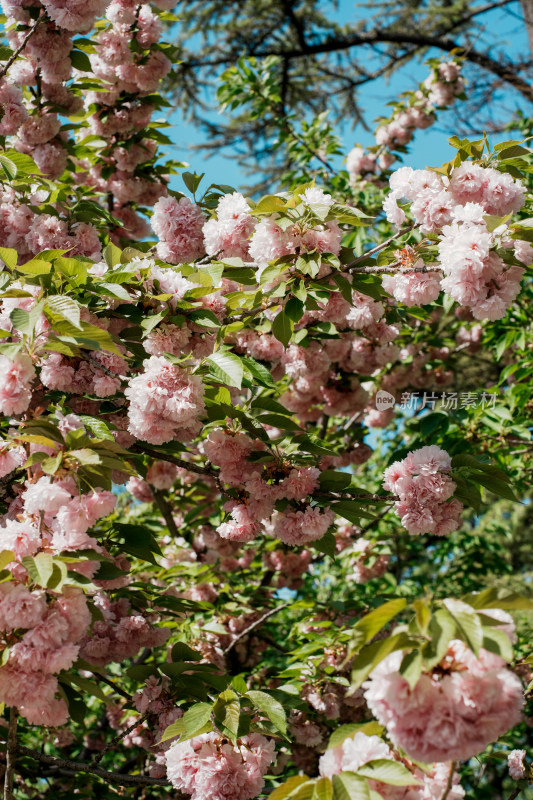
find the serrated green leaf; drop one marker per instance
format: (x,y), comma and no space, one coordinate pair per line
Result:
(388,771)
(349,786)
(282,328)
(227,367)
(270,707)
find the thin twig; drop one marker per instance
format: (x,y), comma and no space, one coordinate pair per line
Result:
(254,625)
(113,685)
(11,753)
(381,246)
(449,782)
(116,740)
(23,44)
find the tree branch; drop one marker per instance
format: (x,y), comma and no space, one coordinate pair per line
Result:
(11,753)
(115,778)
(23,44)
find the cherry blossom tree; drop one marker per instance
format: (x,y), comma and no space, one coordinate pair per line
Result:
(260,532)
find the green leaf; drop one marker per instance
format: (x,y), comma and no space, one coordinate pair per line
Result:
(23,163)
(294,309)
(80,60)
(388,771)
(372,623)
(72,268)
(290,787)
(323,789)
(348,731)
(97,427)
(227,367)
(182,652)
(282,328)
(326,544)
(269,204)
(9,256)
(373,654)
(259,372)
(349,786)
(496,486)
(36,266)
(467,623)
(497,641)
(334,481)
(411,667)
(197,716)
(40,567)
(442,630)
(176,729)
(227,711)
(6,557)
(8,167)
(204,317)
(270,707)
(65,307)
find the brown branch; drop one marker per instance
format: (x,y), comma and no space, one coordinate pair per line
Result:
(11,753)
(179,462)
(503,69)
(254,625)
(115,778)
(23,44)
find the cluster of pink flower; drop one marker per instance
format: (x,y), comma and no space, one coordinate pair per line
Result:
(120,113)
(157,701)
(424,487)
(515,761)
(119,634)
(366,564)
(49,644)
(452,713)
(360,749)
(46,65)
(474,274)
(210,767)
(129,62)
(440,90)
(289,567)
(185,235)
(296,525)
(29,233)
(53,515)
(165,402)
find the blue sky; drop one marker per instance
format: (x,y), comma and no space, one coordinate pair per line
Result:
(430,147)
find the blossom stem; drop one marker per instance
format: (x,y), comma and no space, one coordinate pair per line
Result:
(23,44)
(11,752)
